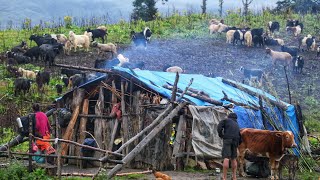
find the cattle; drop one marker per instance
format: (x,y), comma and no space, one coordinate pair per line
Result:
(271,144)
(298,64)
(42,78)
(22,84)
(273,26)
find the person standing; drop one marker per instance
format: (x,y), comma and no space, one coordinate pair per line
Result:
(42,130)
(229,130)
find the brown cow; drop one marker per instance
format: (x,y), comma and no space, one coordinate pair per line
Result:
(271,144)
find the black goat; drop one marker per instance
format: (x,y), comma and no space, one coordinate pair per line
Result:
(33,52)
(270,41)
(18,58)
(141,38)
(42,78)
(76,80)
(250,73)
(238,35)
(70,72)
(98,33)
(22,84)
(59,88)
(65,80)
(20,48)
(50,51)
(13,71)
(257,32)
(292,50)
(42,40)
(273,26)
(298,64)
(257,40)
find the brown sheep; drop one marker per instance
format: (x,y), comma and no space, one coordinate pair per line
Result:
(248,38)
(109,47)
(279,56)
(229,36)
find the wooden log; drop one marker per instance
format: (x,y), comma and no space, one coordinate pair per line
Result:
(131,173)
(198,96)
(78,95)
(175,88)
(147,139)
(83,68)
(279,104)
(82,127)
(235,102)
(103,117)
(125,127)
(98,126)
(59,168)
(30,142)
(185,90)
(113,135)
(177,142)
(77,174)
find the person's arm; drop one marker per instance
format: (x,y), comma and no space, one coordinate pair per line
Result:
(220,128)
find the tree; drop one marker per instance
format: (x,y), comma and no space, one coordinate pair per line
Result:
(144,9)
(220,7)
(246,4)
(299,6)
(204,6)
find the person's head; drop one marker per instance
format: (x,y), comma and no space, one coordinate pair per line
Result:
(36,107)
(232,115)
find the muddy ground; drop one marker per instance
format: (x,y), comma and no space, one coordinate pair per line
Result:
(213,55)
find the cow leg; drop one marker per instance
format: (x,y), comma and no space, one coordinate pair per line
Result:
(241,162)
(276,171)
(273,168)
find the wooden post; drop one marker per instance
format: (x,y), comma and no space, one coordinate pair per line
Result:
(58,147)
(98,127)
(30,141)
(114,132)
(146,140)
(177,143)
(125,127)
(175,88)
(288,86)
(82,127)
(78,95)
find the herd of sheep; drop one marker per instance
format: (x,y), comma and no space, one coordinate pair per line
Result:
(50,45)
(257,37)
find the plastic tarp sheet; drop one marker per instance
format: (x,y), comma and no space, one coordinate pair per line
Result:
(205,139)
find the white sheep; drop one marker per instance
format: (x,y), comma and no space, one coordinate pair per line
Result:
(102,27)
(109,47)
(229,36)
(174,69)
(279,56)
(248,38)
(61,38)
(213,28)
(27,73)
(222,28)
(77,40)
(306,42)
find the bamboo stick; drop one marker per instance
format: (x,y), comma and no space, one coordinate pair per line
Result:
(83,68)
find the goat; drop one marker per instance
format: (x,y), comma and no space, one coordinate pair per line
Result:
(109,47)
(98,33)
(279,56)
(298,64)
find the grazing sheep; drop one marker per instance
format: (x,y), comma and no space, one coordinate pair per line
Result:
(298,64)
(22,84)
(238,36)
(295,30)
(20,48)
(222,28)
(61,38)
(77,40)
(279,56)
(248,38)
(67,47)
(273,26)
(213,28)
(103,28)
(27,73)
(318,51)
(292,50)
(229,36)
(214,21)
(59,88)
(109,47)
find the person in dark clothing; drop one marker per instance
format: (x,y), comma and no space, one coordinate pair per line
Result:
(229,130)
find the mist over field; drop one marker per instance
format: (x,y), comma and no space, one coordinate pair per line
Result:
(49,10)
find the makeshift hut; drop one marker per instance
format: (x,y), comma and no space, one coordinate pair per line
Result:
(156,129)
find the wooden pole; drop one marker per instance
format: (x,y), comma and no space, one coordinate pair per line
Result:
(124,118)
(98,126)
(146,140)
(83,68)
(177,142)
(30,141)
(78,95)
(175,88)
(288,86)
(279,104)
(59,169)
(114,132)
(82,127)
